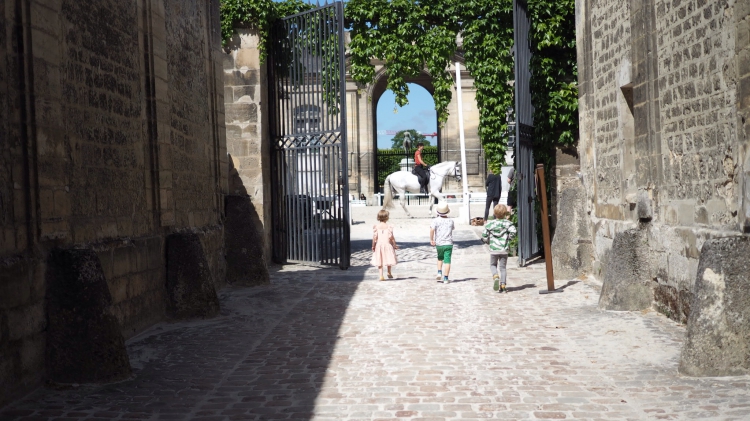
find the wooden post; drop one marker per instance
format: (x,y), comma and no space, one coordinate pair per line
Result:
(542,193)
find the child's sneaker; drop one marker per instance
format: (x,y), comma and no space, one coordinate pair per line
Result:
(446,280)
(496,283)
(503,288)
(439,276)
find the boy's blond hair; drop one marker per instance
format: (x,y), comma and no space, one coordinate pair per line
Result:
(500,212)
(383,215)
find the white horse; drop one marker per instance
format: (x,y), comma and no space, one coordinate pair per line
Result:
(403,181)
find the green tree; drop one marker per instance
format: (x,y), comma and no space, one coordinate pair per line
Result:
(256,14)
(412,36)
(416,137)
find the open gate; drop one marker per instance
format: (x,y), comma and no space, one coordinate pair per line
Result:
(528,244)
(310,194)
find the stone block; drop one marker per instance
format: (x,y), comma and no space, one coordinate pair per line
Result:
(190,287)
(572,248)
(241,113)
(244,245)
(244,94)
(14,275)
(118,289)
(701,216)
(227,62)
(161,73)
(45,45)
(241,78)
(62,204)
(26,321)
(84,343)
(247,58)
(47,203)
(627,280)
(249,38)
(138,284)
(718,334)
(32,354)
(121,261)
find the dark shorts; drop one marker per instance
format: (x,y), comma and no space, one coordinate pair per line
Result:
(444,253)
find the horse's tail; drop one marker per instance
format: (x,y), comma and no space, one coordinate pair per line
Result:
(387,193)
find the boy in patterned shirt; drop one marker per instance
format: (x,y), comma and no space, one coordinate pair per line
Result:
(498,233)
(441,236)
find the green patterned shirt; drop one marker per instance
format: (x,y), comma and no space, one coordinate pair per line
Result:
(500,232)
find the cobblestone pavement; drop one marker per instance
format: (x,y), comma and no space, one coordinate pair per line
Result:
(326,344)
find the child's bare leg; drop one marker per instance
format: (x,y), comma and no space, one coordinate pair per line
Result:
(389,271)
(440,265)
(380,270)
(446,269)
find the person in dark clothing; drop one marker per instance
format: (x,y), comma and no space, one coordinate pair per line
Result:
(513,192)
(494,185)
(420,169)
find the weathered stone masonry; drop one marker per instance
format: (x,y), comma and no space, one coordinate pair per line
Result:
(111,138)
(663,169)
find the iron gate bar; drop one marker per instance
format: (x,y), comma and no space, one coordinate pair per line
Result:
(528,244)
(310,196)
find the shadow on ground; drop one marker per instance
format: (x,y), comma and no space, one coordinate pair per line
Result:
(264,357)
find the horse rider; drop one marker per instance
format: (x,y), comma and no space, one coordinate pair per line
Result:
(420,169)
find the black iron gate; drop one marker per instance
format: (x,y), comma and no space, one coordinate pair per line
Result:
(528,244)
(307,90)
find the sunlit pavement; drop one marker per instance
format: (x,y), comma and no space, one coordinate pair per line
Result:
(327,344)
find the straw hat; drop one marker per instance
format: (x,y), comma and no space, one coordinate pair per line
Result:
(443,209)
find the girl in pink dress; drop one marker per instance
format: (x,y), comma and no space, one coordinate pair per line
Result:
(383,245)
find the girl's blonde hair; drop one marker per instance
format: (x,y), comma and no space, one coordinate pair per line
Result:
(500,212)
(383,215)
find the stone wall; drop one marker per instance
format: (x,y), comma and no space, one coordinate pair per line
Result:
(662,143)
(111,137)
(247,131)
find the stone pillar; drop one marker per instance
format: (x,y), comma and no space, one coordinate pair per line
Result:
(718,334)
(190,285)
(627,280)
(247,125)
(572,249)
(246,265)
(84,342)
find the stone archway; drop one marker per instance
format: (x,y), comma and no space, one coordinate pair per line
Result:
(362,131)
(383,160)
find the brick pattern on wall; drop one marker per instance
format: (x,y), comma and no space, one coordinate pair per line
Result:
(698,101)
(193,180)
(611,44)
(102,105)
(123,145)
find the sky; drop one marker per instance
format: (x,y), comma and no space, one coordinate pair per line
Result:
(419,115)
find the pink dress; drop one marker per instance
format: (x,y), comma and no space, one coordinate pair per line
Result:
(384,253)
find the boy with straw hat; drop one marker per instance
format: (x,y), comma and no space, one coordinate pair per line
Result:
(441,236)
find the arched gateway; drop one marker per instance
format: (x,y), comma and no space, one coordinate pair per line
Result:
(362,102)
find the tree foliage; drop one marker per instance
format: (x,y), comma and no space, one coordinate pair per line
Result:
(256,14)
(416,137)
(410,36)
